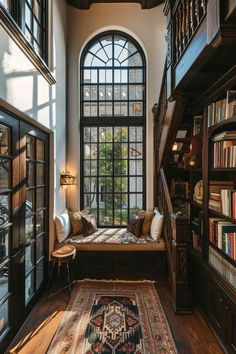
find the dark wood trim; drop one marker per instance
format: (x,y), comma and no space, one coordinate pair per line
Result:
(16,112)
(17,35)
(85,4)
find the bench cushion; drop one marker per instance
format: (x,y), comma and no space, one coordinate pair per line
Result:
(115,240)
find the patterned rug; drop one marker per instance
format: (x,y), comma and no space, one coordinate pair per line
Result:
(113,317)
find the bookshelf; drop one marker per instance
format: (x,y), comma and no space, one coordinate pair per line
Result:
(212,264)
(220,199)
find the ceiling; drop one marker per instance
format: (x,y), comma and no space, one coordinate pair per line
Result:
(85,4)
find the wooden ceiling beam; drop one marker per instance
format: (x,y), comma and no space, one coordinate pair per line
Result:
(85,4)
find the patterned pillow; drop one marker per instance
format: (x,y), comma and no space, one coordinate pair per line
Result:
(76,222)
(148,216)
(89,224)
(135,226)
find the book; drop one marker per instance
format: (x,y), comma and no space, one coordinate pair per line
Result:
(224,154)
(231,104)
(197,124)
(217,112)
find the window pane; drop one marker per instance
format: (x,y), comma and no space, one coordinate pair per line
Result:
(29,287)
(40,145)
(4,317)
(34,25)
(40,198)
(39,247)
(29,228)
(40,173)
(4,209)
(29,257)
(6,4)
(4,140)
(40,223)
(39,274)
(30,147)
(30,174)
(4,280)
(4,245)
(30,198)
(135,75)
(135,108)
(5,180)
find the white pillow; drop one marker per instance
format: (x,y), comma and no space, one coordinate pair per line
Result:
(157,225)
(63,225)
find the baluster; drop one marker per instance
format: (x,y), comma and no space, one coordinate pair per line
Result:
(191,16)
(176,36)
(187,21)
(183,23)
(180,29)
(197,12)
(203,7)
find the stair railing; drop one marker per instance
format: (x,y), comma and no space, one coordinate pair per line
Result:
(175,232)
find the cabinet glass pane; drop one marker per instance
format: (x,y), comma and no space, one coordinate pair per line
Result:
(39,247)
(4,245)
(29,287)
(40,223)
(5,180)
(30,201)
(4,317)
(30,147)
(30,174)
(40,174)
(40,198)
(29,228)
(4,140)
(29,257)
(40,150)
(4,209)
(4,277)
(39,274)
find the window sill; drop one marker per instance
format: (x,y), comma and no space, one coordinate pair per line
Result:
(17,35)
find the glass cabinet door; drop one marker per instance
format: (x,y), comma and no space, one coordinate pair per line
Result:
(35,208)
(9,219)
(23,221)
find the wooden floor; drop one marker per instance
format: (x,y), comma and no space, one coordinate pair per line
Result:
(191,333)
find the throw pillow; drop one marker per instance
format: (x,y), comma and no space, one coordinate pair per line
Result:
(148,216)
(76,222)
(89,224)
(157,225)
(63,228)
(135,226)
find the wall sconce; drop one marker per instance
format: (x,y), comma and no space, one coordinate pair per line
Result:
(67,179)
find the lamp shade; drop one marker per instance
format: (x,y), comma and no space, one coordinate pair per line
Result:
(67,179)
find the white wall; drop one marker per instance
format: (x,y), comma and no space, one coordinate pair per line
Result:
(148,27)
(22,86)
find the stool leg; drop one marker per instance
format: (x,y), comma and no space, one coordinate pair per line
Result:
(50,277)
(68,276)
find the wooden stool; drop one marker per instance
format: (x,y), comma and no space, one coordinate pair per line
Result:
(64,254)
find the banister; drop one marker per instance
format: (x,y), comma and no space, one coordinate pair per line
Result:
(166,192)
(175,235)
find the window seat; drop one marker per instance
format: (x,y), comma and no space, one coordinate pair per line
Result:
(115,240)
(117,254)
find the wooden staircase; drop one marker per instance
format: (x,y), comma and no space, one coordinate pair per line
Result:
(169,132)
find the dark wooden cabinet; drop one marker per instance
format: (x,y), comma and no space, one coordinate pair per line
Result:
(231,330)
(217,301)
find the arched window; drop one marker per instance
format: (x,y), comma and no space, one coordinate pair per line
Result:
(113,128)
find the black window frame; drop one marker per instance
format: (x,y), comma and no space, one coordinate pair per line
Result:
(112,121)
(14,23)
